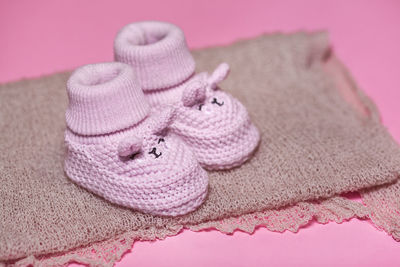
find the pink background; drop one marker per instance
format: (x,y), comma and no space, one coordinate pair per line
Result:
(42,37)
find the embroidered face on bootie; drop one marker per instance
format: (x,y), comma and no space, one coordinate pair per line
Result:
(119,150)
(214,124)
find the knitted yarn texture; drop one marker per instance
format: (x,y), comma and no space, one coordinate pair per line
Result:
(314,145)
(119,151)
(212,122)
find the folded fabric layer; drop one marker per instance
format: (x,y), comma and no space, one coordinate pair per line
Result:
(314,145)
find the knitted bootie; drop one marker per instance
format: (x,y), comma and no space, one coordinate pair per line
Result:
(118,150)
(214,124)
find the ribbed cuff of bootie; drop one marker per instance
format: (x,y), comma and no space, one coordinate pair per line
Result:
(157,51)
(104,98)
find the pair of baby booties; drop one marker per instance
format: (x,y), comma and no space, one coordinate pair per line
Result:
(140,130)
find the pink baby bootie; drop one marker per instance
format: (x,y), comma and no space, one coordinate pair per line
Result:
(118,150)
(214,124)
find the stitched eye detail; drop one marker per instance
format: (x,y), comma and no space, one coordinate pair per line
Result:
(200,106)
(161,140)
(215,101)
(154,152)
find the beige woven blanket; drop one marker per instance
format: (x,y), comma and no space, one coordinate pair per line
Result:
(318,141)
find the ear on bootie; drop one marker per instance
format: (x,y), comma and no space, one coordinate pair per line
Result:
(219,74)
(130,146)
(164,119)
(195,92)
